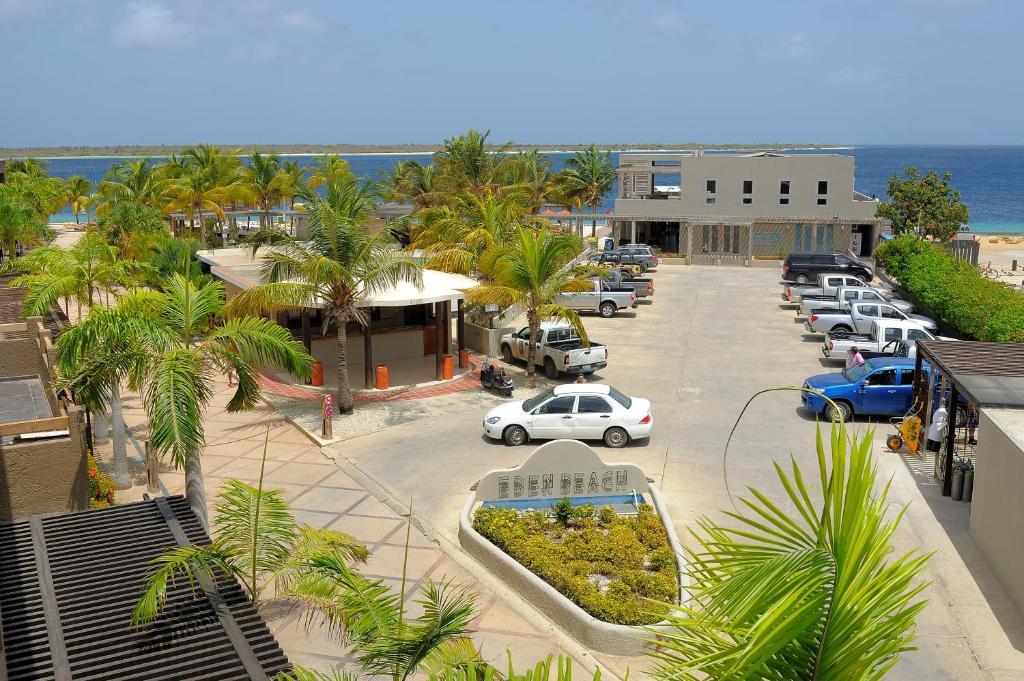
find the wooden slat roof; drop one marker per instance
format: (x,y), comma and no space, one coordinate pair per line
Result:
(12,301)
(68,584)
(990,374)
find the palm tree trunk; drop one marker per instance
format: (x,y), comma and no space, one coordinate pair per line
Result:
(202,228)
(344,389)
(122,480)
(531,351)
(195,489)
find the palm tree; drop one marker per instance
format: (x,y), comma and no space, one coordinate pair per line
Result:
(137,180)
(19,221)
(799,595)
(134,227)
(587,178)
(256,541)
(330,170)
(461,233)
(531,272)
(76,192)
(529,173)
(33,167)
(192,193)
(412,181)
(466,163)
(292,181)
(336,269)
(170,346)
(263,183)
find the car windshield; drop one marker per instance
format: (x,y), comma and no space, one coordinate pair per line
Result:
(625,400)
(854,374)
(531,404)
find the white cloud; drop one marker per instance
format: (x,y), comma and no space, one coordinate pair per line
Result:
(669,22)
(792,46)
(862,74)
(150,24)
(302,20)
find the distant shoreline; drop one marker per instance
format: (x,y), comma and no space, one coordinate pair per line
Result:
(137,151)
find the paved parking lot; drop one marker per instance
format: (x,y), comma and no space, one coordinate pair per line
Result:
(712,338)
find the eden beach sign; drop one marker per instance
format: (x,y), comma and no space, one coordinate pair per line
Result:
(563,468)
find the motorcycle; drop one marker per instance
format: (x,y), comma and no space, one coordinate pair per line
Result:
(495,378)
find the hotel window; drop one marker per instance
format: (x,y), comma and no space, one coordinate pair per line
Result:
(711,186)
(748,189)
(822,192)
(784,192)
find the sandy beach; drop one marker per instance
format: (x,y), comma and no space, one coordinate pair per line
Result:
(1001,251)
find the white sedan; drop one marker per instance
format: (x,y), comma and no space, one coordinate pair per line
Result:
(576,411)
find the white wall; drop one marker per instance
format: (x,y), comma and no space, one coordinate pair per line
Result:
(997,509)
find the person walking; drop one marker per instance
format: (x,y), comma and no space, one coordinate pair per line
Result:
(972,424)
(853,357)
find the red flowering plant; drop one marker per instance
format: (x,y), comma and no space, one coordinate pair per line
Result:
(101,487)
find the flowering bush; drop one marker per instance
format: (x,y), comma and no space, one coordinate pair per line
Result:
(101,487)
(954,290)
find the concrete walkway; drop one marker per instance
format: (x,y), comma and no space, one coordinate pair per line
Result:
(322,494)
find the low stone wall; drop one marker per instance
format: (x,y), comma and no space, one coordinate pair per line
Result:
(484,341)
(614,639)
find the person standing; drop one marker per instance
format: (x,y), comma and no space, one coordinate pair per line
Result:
(327,418)
(853,357)
(972,424)
(935,430)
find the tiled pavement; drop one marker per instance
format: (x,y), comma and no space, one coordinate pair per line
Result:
(321,494)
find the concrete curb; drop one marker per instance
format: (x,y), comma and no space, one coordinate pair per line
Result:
(615,639)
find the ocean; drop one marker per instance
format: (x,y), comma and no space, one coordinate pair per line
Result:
(990,178)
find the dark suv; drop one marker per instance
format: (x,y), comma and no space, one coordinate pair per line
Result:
(804,267)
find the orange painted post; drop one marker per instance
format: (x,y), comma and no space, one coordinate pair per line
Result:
(448,367)
(463,358)
(317,378)
(381,376)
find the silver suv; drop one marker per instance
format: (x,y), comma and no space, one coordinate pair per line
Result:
(641,253)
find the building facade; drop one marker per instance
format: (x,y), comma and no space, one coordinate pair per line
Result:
(741,208)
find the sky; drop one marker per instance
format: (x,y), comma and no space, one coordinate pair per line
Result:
(107,72)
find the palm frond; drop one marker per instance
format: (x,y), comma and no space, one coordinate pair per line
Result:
(175,397)
(192,562)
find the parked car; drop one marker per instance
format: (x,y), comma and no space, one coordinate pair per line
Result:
(580,411)
(616,259)
(642,251)
(883,338)
(824,285)
(883,386)
(803,267)
(559,349)
(643,287)
(603,298)
(845,297)
(859,318)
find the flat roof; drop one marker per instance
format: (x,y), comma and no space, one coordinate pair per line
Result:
(989,374)
(23,398)
(70,581)
(239,267)
(1010,421)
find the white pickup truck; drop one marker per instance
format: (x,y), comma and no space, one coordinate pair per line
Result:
(883,339)
(559,349)
(844,297)
(604,298)
(860,317)
(826,285)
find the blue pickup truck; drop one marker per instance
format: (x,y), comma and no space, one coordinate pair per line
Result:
(883,386)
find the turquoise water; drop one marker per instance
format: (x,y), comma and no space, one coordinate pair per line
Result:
(991,179)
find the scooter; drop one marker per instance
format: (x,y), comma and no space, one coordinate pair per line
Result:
(495,378)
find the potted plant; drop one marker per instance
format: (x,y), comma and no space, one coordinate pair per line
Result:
(968,493)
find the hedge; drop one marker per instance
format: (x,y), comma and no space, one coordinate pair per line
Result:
(617,568)
(954,291)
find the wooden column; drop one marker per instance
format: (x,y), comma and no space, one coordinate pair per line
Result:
(307,335)
(438,340)
(947,451)
(460,325)
(368,351)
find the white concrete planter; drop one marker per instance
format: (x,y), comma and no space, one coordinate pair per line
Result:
(615,639)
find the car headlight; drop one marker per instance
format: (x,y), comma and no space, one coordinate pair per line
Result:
(492,419)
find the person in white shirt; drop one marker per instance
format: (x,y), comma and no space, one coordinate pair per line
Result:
(936,429)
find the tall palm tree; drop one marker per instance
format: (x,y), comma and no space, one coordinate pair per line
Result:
(587,178)
(293,181)
(804,594)
(194,192)
(133,227)
(528,172)
(262,180)
(531,272)
(468,164)
(339,266)
(171,346)
(412,181)
(20,223)
(33,167)
(138,180)
(330,170)
(76,192)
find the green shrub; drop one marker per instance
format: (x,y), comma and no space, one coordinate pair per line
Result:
(954,291)
(616,568)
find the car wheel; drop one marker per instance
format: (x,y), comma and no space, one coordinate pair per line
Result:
(515,436)
(616,438)
(550,370)
(842,327)
(506,353)
(839,411)
(607,310)
(801,278)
